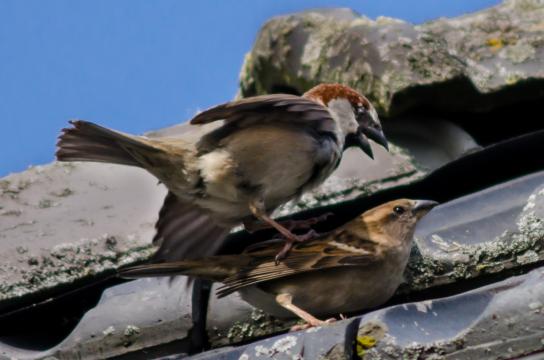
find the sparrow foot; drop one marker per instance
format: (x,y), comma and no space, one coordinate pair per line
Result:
(252,226)
(306,223)
(311,324)
(258,210)
(286,300)
(291,240)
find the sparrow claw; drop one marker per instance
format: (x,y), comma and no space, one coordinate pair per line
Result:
(289,242)
(283,252)
(300,327)
(311,324)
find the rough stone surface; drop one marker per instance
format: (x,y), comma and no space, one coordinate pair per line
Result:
(474,62)
(484,233)
(128,317)
(231,320)
(500,321)
(64,222)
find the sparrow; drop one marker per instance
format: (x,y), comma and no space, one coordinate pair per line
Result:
(239,161)
(354,267)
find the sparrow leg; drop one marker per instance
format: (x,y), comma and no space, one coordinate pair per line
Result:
(306,223)
(258,210)
(282,254)
(286,300)
(251,225)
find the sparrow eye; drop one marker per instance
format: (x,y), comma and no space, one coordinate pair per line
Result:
(360,110)
(399,210)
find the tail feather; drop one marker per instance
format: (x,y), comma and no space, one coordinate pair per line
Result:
(214,268)
(86,141)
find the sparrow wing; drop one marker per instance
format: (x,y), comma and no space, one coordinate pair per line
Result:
(275,107)
(312,256)
(257,263)
(185,231)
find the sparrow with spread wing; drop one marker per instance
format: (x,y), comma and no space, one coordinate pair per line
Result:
(355,267)
(243,159)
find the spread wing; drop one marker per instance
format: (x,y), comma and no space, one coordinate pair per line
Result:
(304,257)
(185,231)
(276,108)
(265,108)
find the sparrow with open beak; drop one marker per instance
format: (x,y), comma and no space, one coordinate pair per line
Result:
(246,158)
(355,267)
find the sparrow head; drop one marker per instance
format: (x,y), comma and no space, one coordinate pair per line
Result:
(397,219)
(356,117)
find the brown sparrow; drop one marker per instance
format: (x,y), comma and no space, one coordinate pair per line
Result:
(248,157)
(357,266)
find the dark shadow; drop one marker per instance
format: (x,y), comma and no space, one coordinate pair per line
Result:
(44,321)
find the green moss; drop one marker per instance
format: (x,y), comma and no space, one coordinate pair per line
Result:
(525,246)
(71,262)
(258,324)
(364,343)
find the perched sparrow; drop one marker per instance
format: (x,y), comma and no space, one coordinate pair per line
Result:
(357,266)
(265,151)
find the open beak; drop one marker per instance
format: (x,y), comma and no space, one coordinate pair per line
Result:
(376,135)
(422,207)
(362,142)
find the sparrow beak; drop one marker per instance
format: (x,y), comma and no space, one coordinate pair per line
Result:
(361,141)
(376,135)
(422,207)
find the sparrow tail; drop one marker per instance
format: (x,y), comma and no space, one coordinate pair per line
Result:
(211,269)
(86,141)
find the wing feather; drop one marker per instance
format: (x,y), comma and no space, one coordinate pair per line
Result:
(286,108)
(281,109)
(185,231)
(305,257)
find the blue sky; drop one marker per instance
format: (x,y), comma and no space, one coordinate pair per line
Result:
(137,65)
